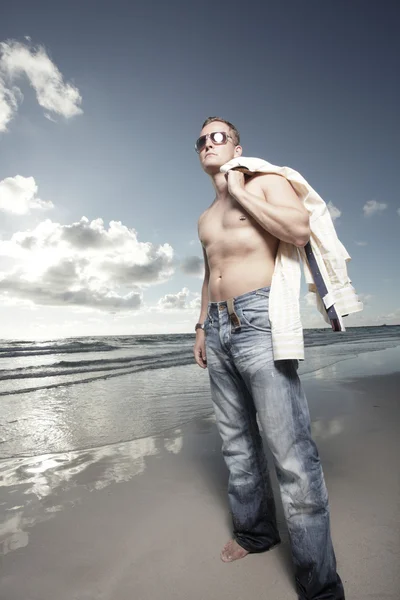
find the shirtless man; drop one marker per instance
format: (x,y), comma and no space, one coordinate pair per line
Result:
(240,234)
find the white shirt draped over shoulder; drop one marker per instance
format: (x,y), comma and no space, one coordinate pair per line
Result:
(331,257)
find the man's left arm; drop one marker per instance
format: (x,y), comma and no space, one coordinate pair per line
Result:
(279,210)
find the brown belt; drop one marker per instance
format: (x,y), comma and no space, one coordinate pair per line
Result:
(234,318)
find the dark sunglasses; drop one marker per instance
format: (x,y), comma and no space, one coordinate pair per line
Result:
(217,137)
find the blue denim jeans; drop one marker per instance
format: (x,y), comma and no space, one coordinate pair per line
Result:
(245,382)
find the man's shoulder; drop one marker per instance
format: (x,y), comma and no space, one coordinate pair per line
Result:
(268,181)
(205,213)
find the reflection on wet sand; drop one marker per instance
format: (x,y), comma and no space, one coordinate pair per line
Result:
(43,479)
(326,428)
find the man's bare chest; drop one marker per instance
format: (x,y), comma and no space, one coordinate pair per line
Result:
(226,216)
(229,224)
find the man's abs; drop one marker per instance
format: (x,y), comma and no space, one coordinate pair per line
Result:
(232,280)
(240,253)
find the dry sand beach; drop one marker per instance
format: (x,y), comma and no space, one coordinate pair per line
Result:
(146,519)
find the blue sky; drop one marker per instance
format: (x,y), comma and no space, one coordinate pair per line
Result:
(100,104)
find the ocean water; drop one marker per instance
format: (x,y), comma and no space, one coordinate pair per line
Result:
(77,393)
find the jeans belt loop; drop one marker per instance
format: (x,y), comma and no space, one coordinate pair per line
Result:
(234,318)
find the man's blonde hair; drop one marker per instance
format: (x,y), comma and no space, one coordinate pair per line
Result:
(234,131)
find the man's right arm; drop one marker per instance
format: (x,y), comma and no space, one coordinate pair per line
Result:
(204,289)
(199,349)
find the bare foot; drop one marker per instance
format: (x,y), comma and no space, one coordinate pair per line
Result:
(232,551)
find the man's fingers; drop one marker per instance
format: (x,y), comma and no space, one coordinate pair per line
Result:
(200,358)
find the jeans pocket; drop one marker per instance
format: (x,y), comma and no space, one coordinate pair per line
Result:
(256,318)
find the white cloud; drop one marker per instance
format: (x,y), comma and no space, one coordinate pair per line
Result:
(8,104)
(373,207)
(195,304)
(175,301)
(398,211)
(18,196)
(52,93)
(49,118)
(83,264)
(334,211)
(361,243)
(180,301)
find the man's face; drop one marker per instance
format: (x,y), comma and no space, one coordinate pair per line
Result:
(213,156)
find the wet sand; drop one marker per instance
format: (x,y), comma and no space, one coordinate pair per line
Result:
(147,519)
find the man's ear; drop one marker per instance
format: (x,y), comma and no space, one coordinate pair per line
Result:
(238,151)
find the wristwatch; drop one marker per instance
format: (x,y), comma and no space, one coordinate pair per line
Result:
(199,326)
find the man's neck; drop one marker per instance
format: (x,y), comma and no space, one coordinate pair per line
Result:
(220,186)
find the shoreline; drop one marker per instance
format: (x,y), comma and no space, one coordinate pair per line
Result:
(148,518)
(22,339)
